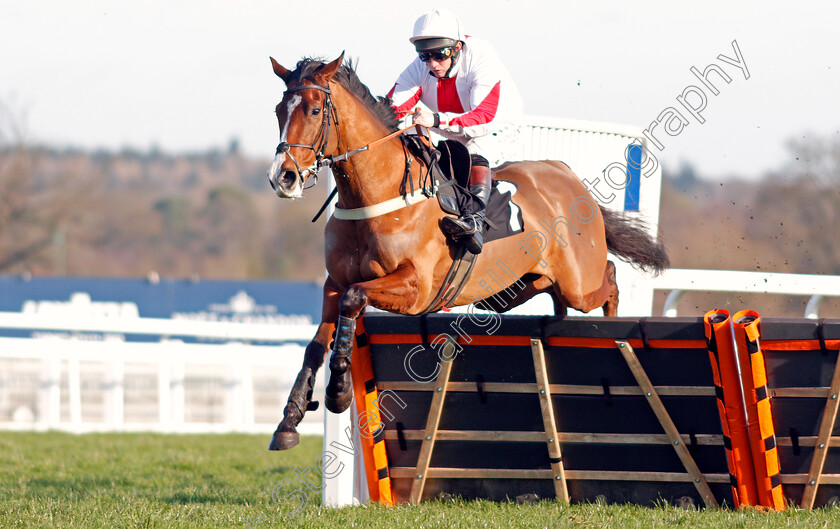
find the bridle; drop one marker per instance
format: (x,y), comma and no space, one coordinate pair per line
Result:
(329,116)
(321,159)
(323,137)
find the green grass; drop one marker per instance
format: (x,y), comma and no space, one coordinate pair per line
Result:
(60,480)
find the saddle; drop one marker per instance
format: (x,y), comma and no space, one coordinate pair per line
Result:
(449,168)
(448,165)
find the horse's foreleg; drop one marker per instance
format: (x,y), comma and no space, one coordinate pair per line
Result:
(300,399)
(396,292)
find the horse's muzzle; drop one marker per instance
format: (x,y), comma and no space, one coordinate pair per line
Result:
(287,184)
(288,179)
(284,181)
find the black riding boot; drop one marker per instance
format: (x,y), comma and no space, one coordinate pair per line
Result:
(469,227)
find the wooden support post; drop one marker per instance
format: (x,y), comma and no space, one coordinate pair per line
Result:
(560,487)
(823,438)
(670,429)
(432,422)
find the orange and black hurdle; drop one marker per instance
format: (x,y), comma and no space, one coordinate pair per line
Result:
(586,409)
(761,430)
(803,380)
(730,400)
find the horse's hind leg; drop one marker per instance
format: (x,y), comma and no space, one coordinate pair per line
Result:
(571,295)
(523,290)
(611,306)
(560,307)
(300,399)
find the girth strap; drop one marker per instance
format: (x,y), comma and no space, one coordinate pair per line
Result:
(454,281)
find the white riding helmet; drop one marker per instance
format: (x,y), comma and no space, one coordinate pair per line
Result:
(436,29)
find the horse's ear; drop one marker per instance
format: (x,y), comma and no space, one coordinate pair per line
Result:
(281,72)
(326,72)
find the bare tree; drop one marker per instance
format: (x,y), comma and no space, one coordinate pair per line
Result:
(37,212)
(804,200)
(816,160)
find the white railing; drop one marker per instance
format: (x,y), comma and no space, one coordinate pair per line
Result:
(678,281)
(81,375)
(215,330)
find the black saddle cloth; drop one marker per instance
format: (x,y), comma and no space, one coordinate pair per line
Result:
(505,215)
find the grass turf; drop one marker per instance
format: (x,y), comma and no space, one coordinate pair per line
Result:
(61,480)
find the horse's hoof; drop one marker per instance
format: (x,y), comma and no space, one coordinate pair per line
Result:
(340,403)
(284,440)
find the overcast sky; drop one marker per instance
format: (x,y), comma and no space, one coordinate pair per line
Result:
(195,74)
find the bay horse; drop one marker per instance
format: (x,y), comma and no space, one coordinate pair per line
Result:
(395,257)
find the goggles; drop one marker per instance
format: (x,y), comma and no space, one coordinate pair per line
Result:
(438,55)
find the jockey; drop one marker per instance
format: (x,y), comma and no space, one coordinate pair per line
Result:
(470,96)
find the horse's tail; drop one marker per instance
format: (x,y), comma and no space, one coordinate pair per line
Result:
(628,239)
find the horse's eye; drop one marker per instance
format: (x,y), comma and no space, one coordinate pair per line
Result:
(316,111)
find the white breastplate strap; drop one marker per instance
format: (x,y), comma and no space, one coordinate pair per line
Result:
(375,210)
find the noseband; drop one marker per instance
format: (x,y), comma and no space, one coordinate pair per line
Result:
(328,113)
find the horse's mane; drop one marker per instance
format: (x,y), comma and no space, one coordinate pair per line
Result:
(347,77)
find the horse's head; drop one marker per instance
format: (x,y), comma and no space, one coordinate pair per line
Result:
(305,116)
